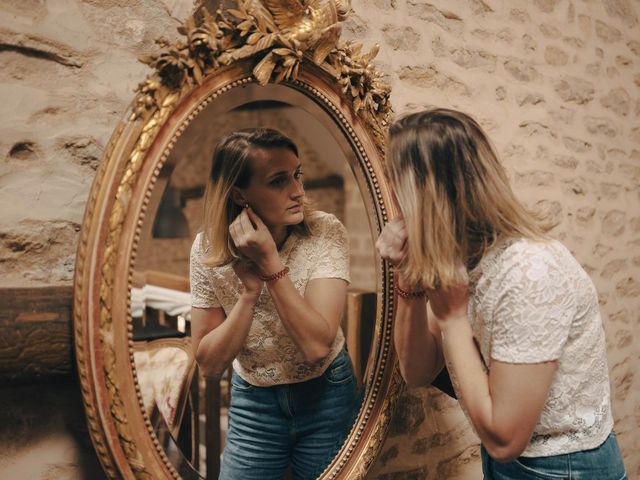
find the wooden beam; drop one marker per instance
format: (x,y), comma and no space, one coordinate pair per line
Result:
(36,338)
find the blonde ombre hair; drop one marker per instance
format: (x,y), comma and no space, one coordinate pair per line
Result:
(454,195)
(231,167)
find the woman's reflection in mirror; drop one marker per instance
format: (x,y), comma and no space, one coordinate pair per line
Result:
(268,283)
(503,294)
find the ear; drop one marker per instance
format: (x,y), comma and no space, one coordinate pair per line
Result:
(238,197)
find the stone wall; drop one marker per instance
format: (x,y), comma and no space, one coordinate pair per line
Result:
(556,83)
(68,69)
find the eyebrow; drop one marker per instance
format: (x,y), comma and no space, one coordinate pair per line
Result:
(282,172)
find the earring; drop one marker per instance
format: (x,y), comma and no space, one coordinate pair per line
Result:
(246,205)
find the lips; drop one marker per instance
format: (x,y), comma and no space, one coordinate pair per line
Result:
(295,208)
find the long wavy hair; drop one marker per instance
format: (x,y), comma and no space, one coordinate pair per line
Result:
(454,195)
(231,167)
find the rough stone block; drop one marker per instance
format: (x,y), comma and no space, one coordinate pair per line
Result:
(563,114)
(546,6)
(529,43)
(556,56)
(577,145)
(574,42)
(607,33)
(535,178)
(593,69)
(431,77)
(610,191)
(409,415)
(613,267)
(600,126)
(629,287)
(519,15)
(585,214)
(551,209)
(565,161)
(521,70)
(622,10)
(401,38)
(623,61)
(530,99)
(413,474)
(474,59)
(575,186)
(584,22)
(423,445)
(622,379)
(38,252)
(549,30)
(614,223)
(617,100)
(454,465)
(537,129)
(576,90)
(386,4)
(447,20)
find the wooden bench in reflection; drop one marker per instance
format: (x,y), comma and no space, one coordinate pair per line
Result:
(209,398)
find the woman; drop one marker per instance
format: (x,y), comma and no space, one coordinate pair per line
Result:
(481,286)
(268,284)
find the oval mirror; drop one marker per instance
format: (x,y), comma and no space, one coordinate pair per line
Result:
(151,412)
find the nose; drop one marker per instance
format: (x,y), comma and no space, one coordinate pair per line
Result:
(298,190)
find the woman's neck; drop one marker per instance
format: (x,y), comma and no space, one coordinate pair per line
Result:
(279,234)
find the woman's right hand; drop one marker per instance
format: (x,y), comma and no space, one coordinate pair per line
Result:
(248,275)
(392,242)
(254,241)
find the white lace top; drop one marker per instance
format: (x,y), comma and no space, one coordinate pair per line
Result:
(269,356)
(532,302)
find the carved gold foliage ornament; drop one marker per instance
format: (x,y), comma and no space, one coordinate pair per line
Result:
(278,35)
(116,224)
(363,84)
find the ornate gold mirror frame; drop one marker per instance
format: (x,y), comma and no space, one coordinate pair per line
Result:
(296,46)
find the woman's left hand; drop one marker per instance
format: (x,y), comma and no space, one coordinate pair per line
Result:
(449,304)
(254,240)
(392,242)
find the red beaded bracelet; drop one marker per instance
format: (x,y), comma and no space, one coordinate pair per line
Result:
(409,295)
(275,276)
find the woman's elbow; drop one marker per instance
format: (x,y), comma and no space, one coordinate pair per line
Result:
(415,379)
(208,368)
(414,382)
(504,453)
(316,353)
(210,371)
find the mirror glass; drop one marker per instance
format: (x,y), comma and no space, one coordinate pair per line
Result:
(188,412)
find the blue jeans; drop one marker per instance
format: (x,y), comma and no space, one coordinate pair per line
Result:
(299,425)
(600,463)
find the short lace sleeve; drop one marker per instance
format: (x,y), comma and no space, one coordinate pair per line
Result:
(332,250)
(201,278)
(534,309)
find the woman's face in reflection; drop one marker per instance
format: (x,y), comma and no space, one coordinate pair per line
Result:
(275,191)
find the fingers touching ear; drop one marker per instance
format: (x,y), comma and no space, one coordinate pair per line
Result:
(255,219)
(238,197)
